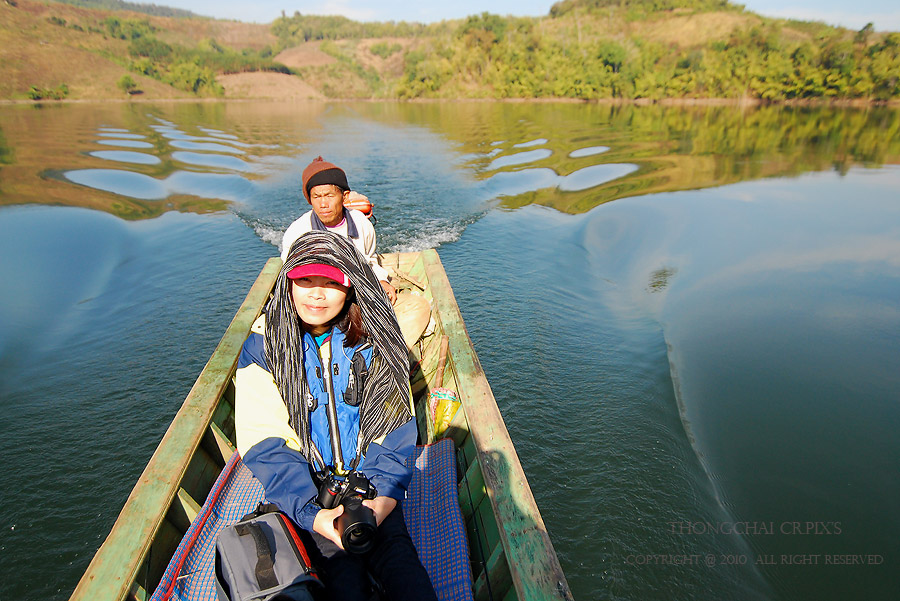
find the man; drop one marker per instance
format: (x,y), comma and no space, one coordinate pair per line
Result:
(326,188)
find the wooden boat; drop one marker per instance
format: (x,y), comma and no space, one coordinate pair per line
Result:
(511,554)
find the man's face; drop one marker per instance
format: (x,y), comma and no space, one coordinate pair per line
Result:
(328,202)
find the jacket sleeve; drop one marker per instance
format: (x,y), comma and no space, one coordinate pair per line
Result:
(384,463)
(268,445)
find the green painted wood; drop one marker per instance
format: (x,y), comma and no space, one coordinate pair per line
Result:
(161,550)
(138,593)
(110,575)
(468,451)
(495,582)
(223,444)
(533,563)
(488,527)
(188,505)
(471,491)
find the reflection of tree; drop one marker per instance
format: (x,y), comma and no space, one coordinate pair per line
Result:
(659,279)
(7,154)
(52,141)
(676,148)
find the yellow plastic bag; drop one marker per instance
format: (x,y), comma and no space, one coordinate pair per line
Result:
(442,406)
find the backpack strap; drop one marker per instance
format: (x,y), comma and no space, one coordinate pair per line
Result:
(265,566)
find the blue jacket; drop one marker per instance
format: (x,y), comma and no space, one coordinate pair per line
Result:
(270,447)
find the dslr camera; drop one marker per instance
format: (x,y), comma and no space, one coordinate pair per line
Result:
(357,524)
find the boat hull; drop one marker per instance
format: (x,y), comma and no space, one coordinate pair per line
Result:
(511,553)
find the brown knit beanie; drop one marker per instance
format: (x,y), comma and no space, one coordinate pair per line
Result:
(321,172)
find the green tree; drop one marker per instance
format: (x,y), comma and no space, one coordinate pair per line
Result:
(127,84)
(150,47)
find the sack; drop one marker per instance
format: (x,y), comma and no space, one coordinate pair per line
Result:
(262,558)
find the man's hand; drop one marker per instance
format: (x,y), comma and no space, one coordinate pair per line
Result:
(389,290)
(380,506)
(325,524)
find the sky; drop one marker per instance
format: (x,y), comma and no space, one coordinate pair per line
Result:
(884,14)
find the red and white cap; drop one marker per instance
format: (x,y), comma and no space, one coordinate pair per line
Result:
(302,271)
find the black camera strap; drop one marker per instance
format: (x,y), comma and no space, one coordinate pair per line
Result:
(334,431)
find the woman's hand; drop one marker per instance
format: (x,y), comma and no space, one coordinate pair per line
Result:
(324,524)
(381,506)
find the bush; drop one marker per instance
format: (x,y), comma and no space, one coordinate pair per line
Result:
(128,29)
(149,47)
(191,77)
(383,50)
(127,85)
(58,93)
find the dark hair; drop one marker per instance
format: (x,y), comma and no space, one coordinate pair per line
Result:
(350,322)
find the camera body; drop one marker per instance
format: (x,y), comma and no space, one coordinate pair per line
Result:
(357,524)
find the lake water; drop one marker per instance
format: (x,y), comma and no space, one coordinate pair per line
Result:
(690,317)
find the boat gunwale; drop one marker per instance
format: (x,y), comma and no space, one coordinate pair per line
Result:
(532,560)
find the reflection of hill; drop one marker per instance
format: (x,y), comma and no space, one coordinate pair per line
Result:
(571,157)
(675,148)
(43,145)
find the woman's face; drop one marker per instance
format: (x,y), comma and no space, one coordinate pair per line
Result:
(318,300)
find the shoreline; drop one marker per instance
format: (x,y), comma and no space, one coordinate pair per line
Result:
(675,102)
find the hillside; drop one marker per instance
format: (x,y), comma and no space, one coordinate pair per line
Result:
(49,45)
(584,49)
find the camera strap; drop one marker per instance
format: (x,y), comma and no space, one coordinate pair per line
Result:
(334,434)
(334,431)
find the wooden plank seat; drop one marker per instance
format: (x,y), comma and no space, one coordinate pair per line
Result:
(431,512)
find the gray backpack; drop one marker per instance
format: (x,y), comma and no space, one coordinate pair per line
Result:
(262,558)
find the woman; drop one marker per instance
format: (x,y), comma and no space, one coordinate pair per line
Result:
(322,390)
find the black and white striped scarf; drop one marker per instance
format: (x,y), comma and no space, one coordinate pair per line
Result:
(387,400)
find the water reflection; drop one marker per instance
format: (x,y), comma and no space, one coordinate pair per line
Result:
(538,142)
(191,160)
(674,148)
(144,187)
(124,156)
(594,176)
(519,158)
(125,143)
(215,161)
(587,152)
(597,153)
(106,133)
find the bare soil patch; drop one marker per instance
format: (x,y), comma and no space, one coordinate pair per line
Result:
(687,30)
(392,65)
(269,86)
(233,34)
(305,55)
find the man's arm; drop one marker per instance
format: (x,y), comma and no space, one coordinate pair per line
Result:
(367,246)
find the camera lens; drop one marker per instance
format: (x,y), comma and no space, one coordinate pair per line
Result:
(357,526)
